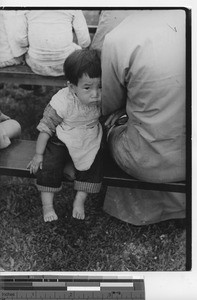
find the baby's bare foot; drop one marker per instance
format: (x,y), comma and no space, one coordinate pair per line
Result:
(78,209)
(49,214)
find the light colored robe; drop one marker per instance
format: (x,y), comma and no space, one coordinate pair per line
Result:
(143,69)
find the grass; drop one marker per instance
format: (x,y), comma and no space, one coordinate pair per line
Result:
(99,243)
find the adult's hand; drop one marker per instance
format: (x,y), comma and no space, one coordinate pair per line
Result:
(112,119)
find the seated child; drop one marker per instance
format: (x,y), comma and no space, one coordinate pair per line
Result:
(8,129)
(50,38)
(11,48)
(70,129)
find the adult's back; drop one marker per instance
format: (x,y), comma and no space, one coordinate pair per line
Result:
(108,20)
(144,66)
(143,61)
(50,36)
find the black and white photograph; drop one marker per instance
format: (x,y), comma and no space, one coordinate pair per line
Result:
(95,139)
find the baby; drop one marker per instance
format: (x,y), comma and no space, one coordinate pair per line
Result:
(70,130)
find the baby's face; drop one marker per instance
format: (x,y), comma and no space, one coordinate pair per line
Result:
(88,90)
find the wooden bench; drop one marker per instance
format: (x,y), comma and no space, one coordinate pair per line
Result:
(15,158)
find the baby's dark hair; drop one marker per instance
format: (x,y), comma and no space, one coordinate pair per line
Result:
(81,62)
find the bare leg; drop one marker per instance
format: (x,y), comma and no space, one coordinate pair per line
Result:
(8,129)
(78,205)
(47,205)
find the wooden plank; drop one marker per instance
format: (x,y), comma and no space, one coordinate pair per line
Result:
(22,74)
(15,158)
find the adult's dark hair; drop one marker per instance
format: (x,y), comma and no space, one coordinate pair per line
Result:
(81,62)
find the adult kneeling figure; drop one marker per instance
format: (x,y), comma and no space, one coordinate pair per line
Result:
(143,63)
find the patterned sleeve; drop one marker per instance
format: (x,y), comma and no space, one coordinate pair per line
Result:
(49,121)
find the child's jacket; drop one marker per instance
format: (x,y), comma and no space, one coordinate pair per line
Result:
(78,127)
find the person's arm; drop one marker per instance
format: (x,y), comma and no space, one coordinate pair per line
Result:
(47,127)
(17,31)
(113,89)
(37,160)
(81,29)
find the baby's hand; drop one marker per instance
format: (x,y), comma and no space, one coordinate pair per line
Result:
(35,163)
